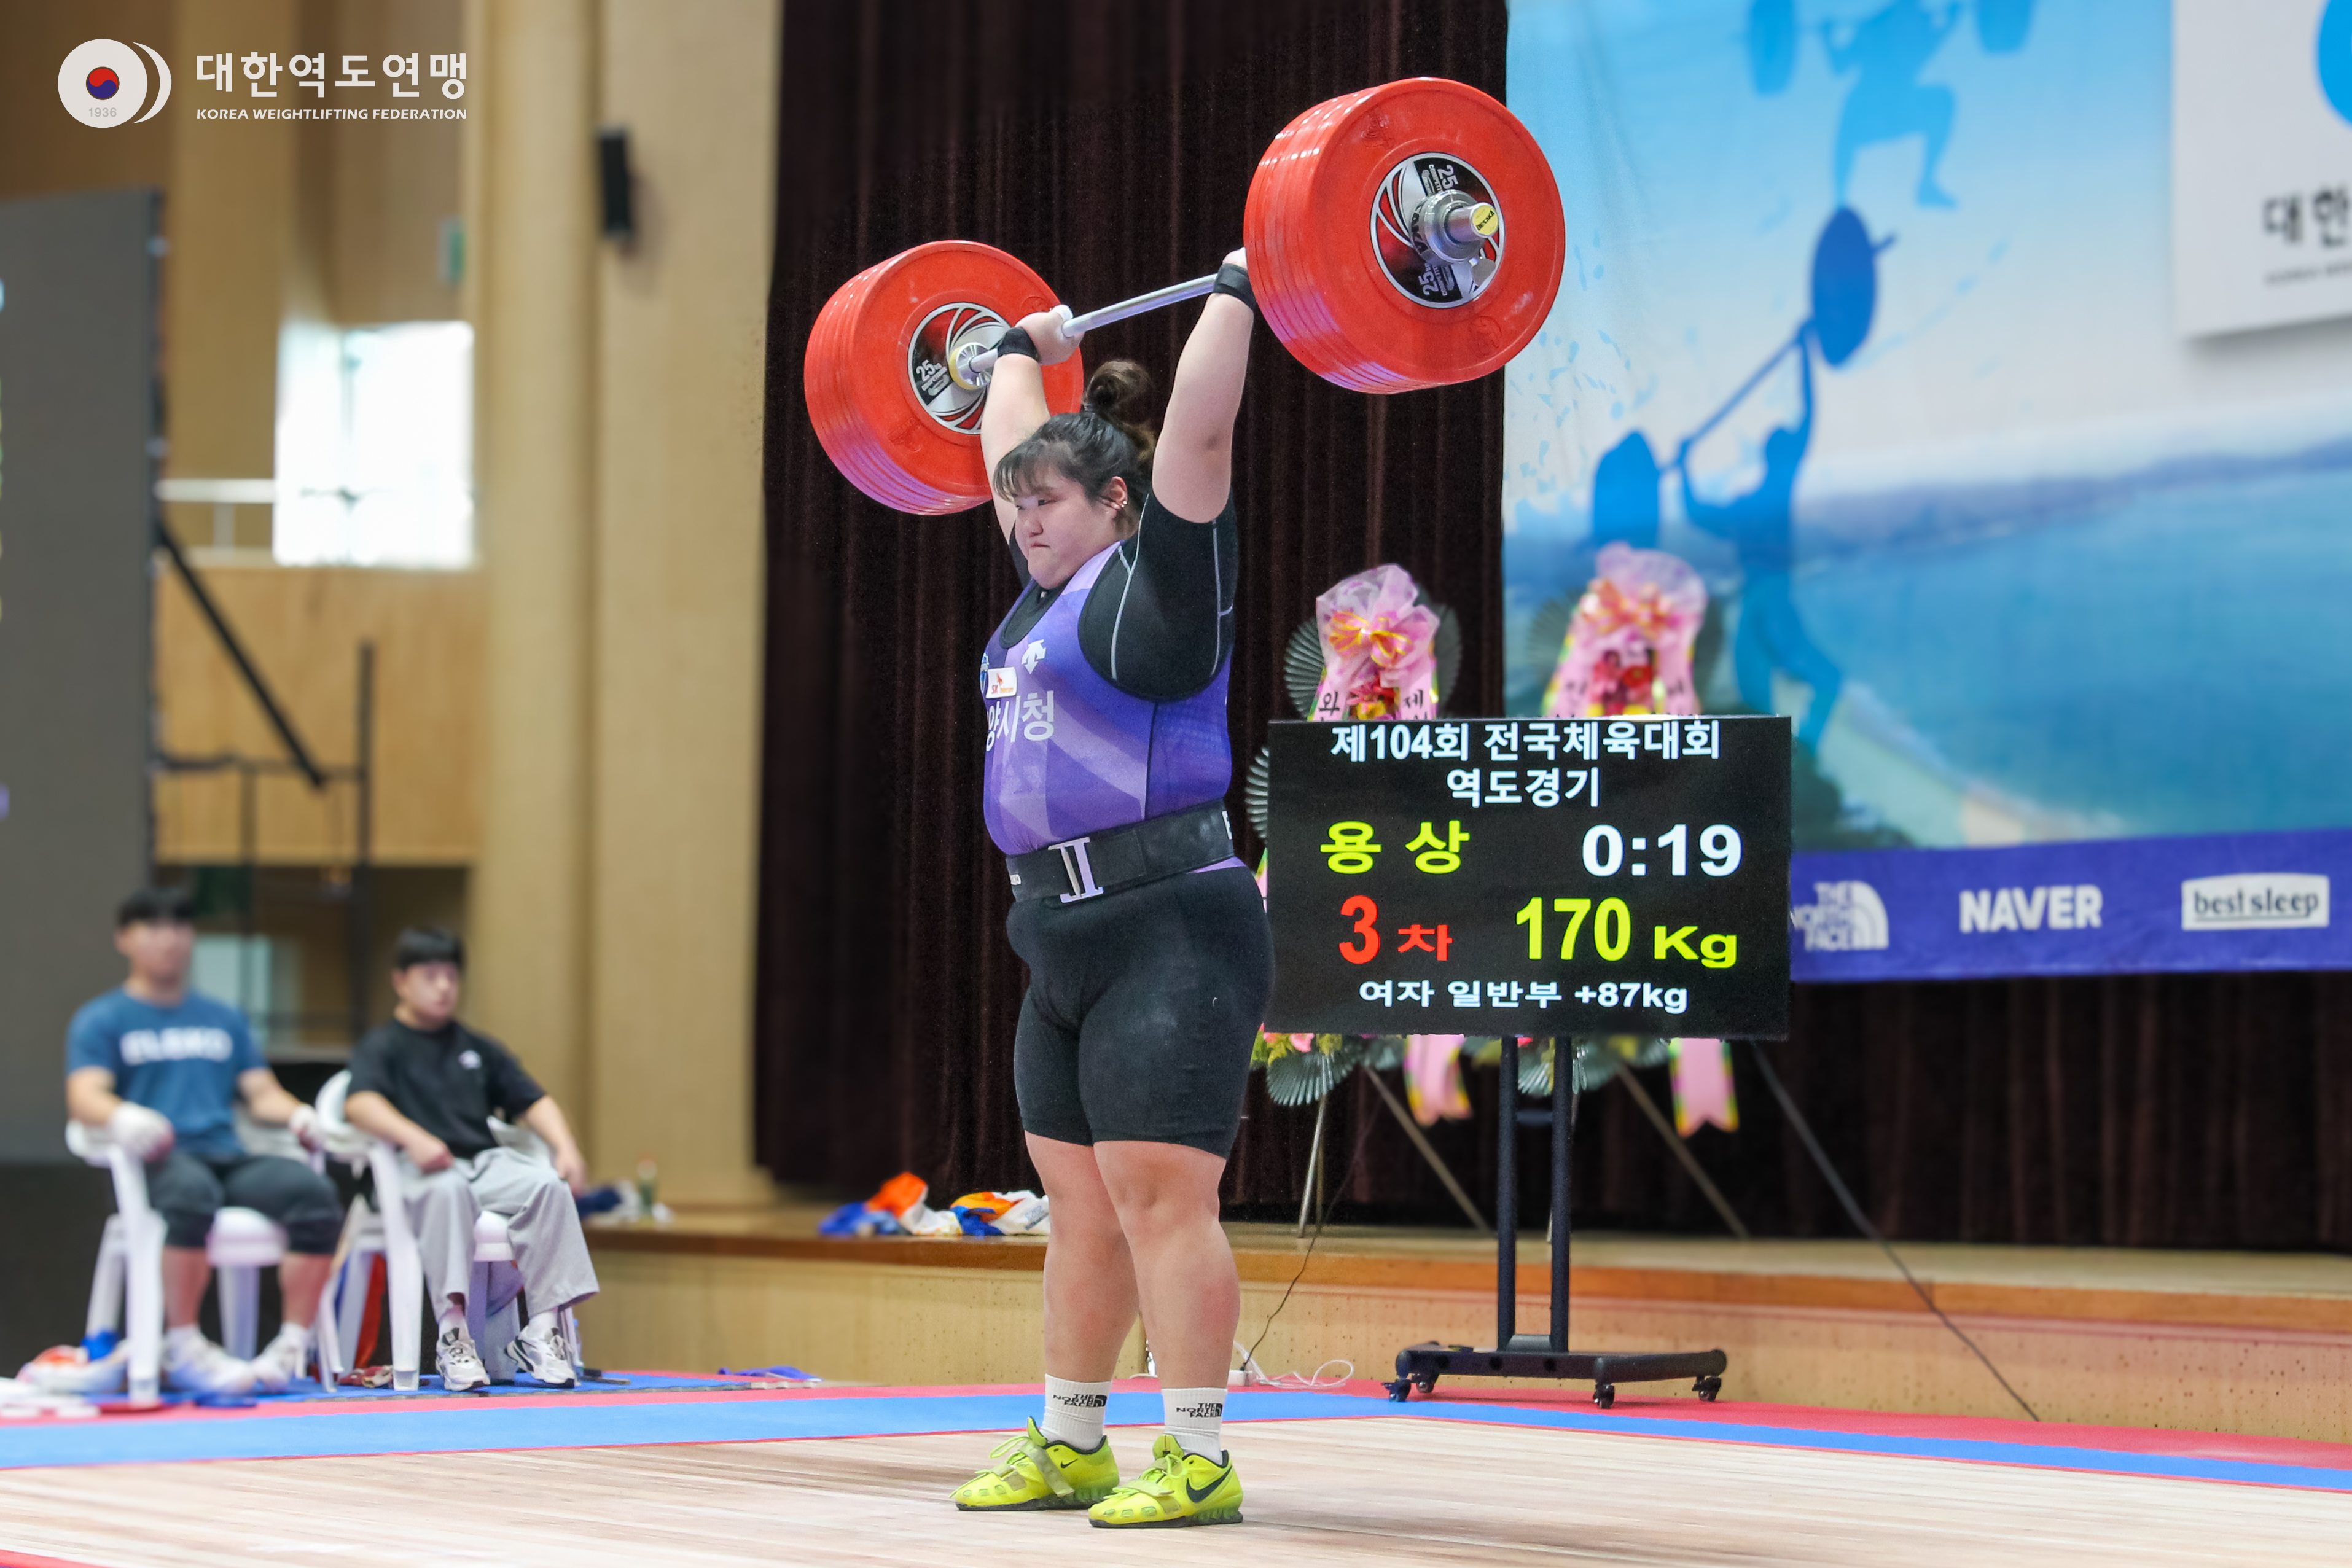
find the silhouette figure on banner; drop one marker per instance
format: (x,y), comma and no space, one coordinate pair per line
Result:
(1888,101)
(1892,46)
(1625,495)
(1760,526)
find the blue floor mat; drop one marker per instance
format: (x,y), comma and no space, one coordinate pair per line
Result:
(468,1425)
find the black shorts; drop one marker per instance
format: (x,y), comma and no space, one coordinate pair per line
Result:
(188,1189)
(1141,1009)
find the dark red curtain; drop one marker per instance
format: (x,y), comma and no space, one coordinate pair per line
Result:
(1111,144)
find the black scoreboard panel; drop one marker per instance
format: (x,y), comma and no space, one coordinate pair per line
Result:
(1532,877)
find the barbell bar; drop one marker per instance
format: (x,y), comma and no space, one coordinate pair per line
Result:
(1407,236)
(1455,226)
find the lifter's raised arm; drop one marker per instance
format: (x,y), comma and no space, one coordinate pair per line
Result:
(1016,396)
(1193,467)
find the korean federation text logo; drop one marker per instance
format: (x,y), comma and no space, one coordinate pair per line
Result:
(103,83)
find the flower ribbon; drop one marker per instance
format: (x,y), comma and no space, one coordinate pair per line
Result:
(1379,657)
(1432,1078)
(1613,608)
(1628,644)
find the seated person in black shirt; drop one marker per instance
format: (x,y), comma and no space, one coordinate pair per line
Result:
(429,1085)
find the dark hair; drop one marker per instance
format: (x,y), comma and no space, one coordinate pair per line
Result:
(156,905)
(426,945)
(1109,438)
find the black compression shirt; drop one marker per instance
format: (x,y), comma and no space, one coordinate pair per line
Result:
(1159,621)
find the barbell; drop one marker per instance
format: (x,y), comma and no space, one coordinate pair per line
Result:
(1404,236)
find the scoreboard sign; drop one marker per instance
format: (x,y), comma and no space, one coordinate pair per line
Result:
(1532,877)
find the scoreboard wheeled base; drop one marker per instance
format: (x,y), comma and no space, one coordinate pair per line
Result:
(1517,1355)
(1531,1355)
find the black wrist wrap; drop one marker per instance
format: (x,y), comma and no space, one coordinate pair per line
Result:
(1016,341)
(1234,281)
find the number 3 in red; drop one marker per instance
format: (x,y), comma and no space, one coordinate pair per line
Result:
(1365,912)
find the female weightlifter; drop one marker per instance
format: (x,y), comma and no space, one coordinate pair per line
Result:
(1150,960)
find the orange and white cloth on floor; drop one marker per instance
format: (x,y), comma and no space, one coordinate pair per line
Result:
(902,1207)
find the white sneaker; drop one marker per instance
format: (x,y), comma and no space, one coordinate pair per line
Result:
(547,1361)
(194,1365)
(282,1359)
(460,1363)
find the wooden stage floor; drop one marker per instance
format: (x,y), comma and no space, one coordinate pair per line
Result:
(1359,1490)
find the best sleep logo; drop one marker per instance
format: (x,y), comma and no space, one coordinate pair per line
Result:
(103,83)
(2256,901)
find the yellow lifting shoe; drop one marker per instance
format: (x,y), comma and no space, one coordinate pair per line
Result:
(1181,1488)
(1034,1471)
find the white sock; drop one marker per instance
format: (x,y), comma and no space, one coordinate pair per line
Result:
(452,1315)
(541,1326)
(299,1332)
(1074,1412)
(1194,1417)
(186,1336)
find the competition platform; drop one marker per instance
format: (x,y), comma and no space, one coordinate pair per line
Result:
(2198,1408)
(671,1469)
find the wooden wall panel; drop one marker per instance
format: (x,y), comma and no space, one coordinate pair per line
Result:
(303,627)
(678,617)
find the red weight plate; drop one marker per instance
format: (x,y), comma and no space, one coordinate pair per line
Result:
(849,431)
(844,439)
(888,415)
(1333,266)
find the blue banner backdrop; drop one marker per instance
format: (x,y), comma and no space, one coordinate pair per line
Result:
(1995,492)
(2236,901)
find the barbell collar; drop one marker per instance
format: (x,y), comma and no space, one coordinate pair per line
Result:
(1454,227)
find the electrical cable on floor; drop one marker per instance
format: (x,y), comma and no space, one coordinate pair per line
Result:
(1861,1221)
(1249,1356)
(1257,1376)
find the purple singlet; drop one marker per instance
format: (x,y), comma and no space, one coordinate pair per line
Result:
(1070,754)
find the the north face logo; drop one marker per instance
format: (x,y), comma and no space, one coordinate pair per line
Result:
(1846,916)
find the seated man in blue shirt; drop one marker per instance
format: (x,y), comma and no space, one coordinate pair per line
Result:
(161,1068)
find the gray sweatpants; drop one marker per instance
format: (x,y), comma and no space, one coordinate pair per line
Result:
(543,1224)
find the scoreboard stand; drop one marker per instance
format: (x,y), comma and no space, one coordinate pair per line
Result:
(1517,1355)
(1546,878)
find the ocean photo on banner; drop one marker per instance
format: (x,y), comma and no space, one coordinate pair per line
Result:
(1870,316)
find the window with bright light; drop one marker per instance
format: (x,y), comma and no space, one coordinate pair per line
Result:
(375,445)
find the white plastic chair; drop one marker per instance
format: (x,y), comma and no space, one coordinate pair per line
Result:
(491,1290)
(129,1282)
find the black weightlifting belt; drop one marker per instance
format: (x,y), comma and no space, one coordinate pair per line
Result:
(1119,858)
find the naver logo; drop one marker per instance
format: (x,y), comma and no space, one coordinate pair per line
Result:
(2253,901)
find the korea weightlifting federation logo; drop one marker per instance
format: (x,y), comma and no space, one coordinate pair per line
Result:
(104,84)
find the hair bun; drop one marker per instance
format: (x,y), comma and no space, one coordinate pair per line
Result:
(1120,391)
